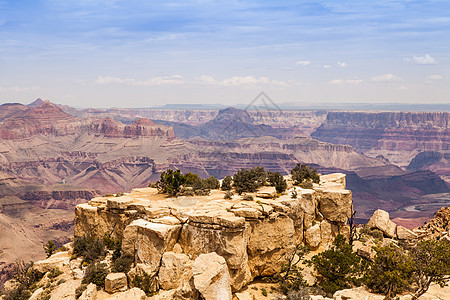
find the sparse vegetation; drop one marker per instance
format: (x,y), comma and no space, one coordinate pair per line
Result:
(49,248)
(228,195)
(26,277)
(95,273)
(53,273)
(226,183)
(391,272)
(79,291)
(431,264)
(146,283)
(276,179)
(338,268)
(170,182)
(246,180)
(302,172)
(89,248)
(247,198)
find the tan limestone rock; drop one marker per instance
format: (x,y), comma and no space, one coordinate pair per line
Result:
(57,260)
(134,294)
(230,243)
(115,282)
(175,270)
(36,294)
(326,232)
(90,293)
(356,294)
(405,234)
(380,220)
(312,236)
(211,277)
(335,204)
(269,241)
(147,241)
(66,290)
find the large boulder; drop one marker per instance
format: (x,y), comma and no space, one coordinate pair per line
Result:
(405,234)
(90,293)
(116,282)
(335,204)
(312,236)
(211,277)
(228,242)
(380,220)
(147,241)
(269,241)
(66,290)
(175,270)
(57,260)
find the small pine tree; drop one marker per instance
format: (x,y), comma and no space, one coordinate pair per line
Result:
(303,172)
(391,272)
(170,182)
(49,248)
(431,264)
(276,179)
(338,268)
(226,183)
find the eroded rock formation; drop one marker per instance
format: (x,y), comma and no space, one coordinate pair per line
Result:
(252,237)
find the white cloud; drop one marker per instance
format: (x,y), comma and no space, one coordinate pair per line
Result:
(435,77)
(326,66)
(342,64)
(303,63)
(386,78)
(240,81)
(346,81)
(25,89)
(422,60)
(159,80)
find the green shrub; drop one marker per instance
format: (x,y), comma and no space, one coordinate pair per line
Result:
(306,184)
(111,243)
(249,180)
(53,273)
(302,172)
(391,272)
(170,182)
(431,264)
(294,194)
(146,283)
(228,195)
(89,248)
(49,248)
(291,279)
(212,183)
(276,179)
(119,194)
(25,274)
(79,291)
(95,273)
(264,292)
(338,268)
(377,234)
(20,292)
(226,183)
(122,264)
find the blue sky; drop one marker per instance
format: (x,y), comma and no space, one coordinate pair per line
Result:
(103,53)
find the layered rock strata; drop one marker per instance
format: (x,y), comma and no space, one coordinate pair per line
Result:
(253,237)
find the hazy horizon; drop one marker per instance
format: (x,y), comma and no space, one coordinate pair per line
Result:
(110,53)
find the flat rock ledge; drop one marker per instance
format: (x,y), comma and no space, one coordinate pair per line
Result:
(168,236)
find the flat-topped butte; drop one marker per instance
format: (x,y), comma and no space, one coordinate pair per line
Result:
(253,237)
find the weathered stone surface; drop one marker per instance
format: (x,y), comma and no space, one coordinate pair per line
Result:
(175,270)
(90,293)
(36,294)
(66,290)
(230,243)
(211,277)
(143,270)
(115,282)
(312,236)
(326,233)
(335,204)
(147,241)
(269,240)
(134,293)
(405,234)
(356,294)
(337,179)
(380,220)
(57,260)
(366,252)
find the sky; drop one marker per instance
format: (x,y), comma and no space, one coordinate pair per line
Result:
(112,53)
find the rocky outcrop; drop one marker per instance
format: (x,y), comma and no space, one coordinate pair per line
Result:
(380,220)
(116,282)
(167,235)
